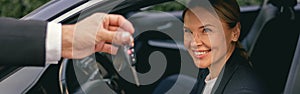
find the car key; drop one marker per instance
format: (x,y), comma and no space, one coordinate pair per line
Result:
(129,53)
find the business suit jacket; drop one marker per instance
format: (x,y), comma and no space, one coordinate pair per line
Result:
(22,42)
(237,77)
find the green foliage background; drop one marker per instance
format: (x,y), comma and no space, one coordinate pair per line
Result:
(19,8)
(172,6)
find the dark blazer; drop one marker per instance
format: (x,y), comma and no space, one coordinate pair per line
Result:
(237,77)
(22,42)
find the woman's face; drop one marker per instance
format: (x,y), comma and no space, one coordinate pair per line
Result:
(207,38)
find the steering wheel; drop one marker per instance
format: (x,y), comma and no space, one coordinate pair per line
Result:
(89,75)
(97,71)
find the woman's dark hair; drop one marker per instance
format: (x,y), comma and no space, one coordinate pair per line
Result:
(228,10)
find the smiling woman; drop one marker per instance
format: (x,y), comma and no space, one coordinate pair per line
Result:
(211,33)
(214,45)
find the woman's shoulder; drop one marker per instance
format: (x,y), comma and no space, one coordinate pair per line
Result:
(243,77)
(246,80)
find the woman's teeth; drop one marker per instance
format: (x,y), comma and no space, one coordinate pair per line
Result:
(200,53)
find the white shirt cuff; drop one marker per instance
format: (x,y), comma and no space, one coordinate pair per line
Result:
(53,43)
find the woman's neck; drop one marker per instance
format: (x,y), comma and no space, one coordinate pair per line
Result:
(216,67)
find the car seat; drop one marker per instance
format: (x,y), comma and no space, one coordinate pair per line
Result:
(271,47)
(293,82)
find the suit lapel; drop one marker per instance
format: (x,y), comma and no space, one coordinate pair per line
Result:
(200,81)
(227,72)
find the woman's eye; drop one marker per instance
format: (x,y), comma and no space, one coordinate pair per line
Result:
(206,30)
(187,31)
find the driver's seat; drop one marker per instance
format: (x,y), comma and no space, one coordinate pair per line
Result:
(273,48)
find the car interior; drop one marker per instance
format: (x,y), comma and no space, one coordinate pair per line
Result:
(272,48)
(291,86)
(269,34)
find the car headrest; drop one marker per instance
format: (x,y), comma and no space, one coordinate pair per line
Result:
(279,9)
(286,8)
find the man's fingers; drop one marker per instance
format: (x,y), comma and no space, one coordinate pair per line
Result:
(115,28)
(118,38)
(120,21)
(107,48)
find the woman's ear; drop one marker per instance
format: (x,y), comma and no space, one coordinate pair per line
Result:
(236,32)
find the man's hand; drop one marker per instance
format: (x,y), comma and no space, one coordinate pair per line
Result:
(96,33)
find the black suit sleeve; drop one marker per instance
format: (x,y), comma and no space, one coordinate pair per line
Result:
(22,42)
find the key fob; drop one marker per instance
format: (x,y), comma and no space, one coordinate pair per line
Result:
(130,54)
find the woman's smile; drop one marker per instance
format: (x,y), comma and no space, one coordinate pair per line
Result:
(200,54)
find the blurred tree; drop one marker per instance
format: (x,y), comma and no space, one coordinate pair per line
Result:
(179,5)
(19,8)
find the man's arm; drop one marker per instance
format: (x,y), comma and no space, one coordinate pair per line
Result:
(34,42)
(22,42)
